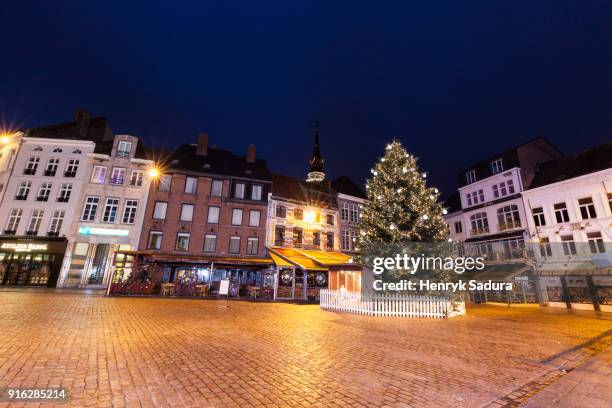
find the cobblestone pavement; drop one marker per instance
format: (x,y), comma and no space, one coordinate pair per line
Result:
(127,352)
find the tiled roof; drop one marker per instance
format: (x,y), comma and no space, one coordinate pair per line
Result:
(98,130)
(345,185)
(217,161)
(452,203)
(595,159)
(318,194)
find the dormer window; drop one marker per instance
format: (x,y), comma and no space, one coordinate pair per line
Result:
(497,166)
(37,149)
(124,149)
(77,151)
(57,150)
(470,176)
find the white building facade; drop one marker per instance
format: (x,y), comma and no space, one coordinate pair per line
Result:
(109,213)
(570,217)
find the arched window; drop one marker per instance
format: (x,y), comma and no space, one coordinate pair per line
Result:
(480,224)
(37,149)
(77,151)
(508,217)
(57,150)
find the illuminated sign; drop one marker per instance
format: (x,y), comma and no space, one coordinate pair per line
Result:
(109,232)
(22,247)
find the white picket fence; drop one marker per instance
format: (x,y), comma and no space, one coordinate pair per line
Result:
(383,304)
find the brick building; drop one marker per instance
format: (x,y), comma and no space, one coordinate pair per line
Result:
(205,221)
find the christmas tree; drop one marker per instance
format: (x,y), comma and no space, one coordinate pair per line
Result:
(400,207)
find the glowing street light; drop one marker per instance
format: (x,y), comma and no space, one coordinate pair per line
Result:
(154,172)
(309,216)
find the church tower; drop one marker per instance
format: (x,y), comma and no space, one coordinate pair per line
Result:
(316,162)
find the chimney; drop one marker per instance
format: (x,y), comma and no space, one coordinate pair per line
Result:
(202,149)
(250,157)
(82,118)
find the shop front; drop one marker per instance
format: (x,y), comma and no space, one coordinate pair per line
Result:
(603,291)
(169,275)
(31,261)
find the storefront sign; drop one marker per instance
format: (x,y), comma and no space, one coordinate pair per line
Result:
(23,247)
(109,232)
(602,280)
(576,282)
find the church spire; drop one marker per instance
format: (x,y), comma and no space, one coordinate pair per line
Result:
(316,161)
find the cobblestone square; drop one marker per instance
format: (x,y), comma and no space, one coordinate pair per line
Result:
(132,352)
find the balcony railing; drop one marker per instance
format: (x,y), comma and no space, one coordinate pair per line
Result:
(50,173)
(42,198)
(479,231)
(116,181)
(53,234)
(29,172)
(122,154)
(9,232)
(70,174)
(63,199)
(504,226)
(31,233)
(21,197)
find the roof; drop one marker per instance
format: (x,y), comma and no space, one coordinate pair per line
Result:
(314,193)
(217,161)
(595,159)
(344,185)
(453,203)
(97,130)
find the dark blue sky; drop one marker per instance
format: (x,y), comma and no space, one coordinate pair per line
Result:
(455,81)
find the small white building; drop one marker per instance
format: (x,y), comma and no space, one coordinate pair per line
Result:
(110,211)
(570,215)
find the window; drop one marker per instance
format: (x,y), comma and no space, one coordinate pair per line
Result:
(210,243)
(469,199)
(596,243)
(254,216)
(57,150)
(129,211)
(118,176)
(317,217)
(470,176)
(182,241)
(545,247)
(239,190)
(538,217)
(159,211)
(256,192)
(344,213)
(56,222)
(71,168)
(187,212)
(23,190)
(164,182)
(279,235)
(234,245)
(316,238)
(77,151)
(495,191)
(502,188)
(354,213)
(13,221)
(35,221)
(90,208)
(37,149)
(31,166)
(123,149)
(480,224)
(297,236)
(252,245)
(561,212)
(458,227)
(213,215)
(52,165)
(569,246)
(330,219)
(281,211)
(217,188)
(237,216)
(298,214)
(64,193)
(510,184)
(136,177)
(98,174)
(497,166)
(587,208)
(329,242)
(110,210)
(346,240)
(508,217)
(155,240)
(44,192)
(191,184)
